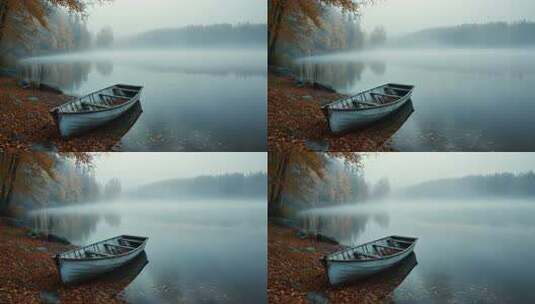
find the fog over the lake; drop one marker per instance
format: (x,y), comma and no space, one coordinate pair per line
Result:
(135,169)
(405,169)
(128,17)
(405,16)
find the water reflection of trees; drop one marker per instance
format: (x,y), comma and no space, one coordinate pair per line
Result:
(105,68)
(74,227)
(338,74)
(67,76)
(344,228)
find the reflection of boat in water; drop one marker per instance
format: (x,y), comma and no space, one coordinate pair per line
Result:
(392,278)
(92,260)
(118,128)
(393,122)
(95,109)
(366,107)
(367,259)
(128,272)
(385,129)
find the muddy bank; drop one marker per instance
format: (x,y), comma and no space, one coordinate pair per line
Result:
(296,275)
(295,119)
(27,124)
(29,274)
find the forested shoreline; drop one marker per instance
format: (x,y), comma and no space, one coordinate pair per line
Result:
(216,35)
(39,180)
(42,28)
(497,185)
(305,180)
(298,29)
(231,186)
(37,27)
(494,34)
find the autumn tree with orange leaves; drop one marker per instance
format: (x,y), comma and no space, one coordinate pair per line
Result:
(290,18)
(18,17)
(295,172)
(18,169)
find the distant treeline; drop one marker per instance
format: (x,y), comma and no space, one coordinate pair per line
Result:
(203,36)
(497,185)
(227,186)
(496,34)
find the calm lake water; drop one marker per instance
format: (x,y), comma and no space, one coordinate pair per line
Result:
(467,252)
(193,100)
(465,100)
(198,252)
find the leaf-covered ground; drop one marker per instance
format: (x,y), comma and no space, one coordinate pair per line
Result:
(296,275)
(26,123)
(27,269)
(295,120)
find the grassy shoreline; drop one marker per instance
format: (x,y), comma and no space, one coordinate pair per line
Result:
(29,274)
(295,120)
(296,275)
(27,124)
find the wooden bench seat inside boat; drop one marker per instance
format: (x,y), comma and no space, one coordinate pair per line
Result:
(383,98)
(103,96)
(91,105)
(401,241)
(369,104)
(131,240)
(91,253)
(120,246)
(366,255)
(386,250)
(389,247)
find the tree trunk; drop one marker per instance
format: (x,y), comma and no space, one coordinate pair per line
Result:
(3,19)
(277,179)
(277,11)
(9,163)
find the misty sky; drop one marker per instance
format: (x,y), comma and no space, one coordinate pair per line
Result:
(134,169)
(412,15)
(404,169)
(133,16)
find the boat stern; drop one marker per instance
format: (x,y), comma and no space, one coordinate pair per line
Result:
(325,111)
(57,261)
(55,115)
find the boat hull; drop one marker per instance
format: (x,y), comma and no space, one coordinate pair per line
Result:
(341,121)
(339,272)
(70,124)
(76,271)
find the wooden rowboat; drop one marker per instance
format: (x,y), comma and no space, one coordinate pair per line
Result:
(366,107)
(90,111)
(367,259)
(92,260)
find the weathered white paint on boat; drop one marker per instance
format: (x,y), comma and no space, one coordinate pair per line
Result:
(92,260)
(366,107)
(95,109)
(365,260)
